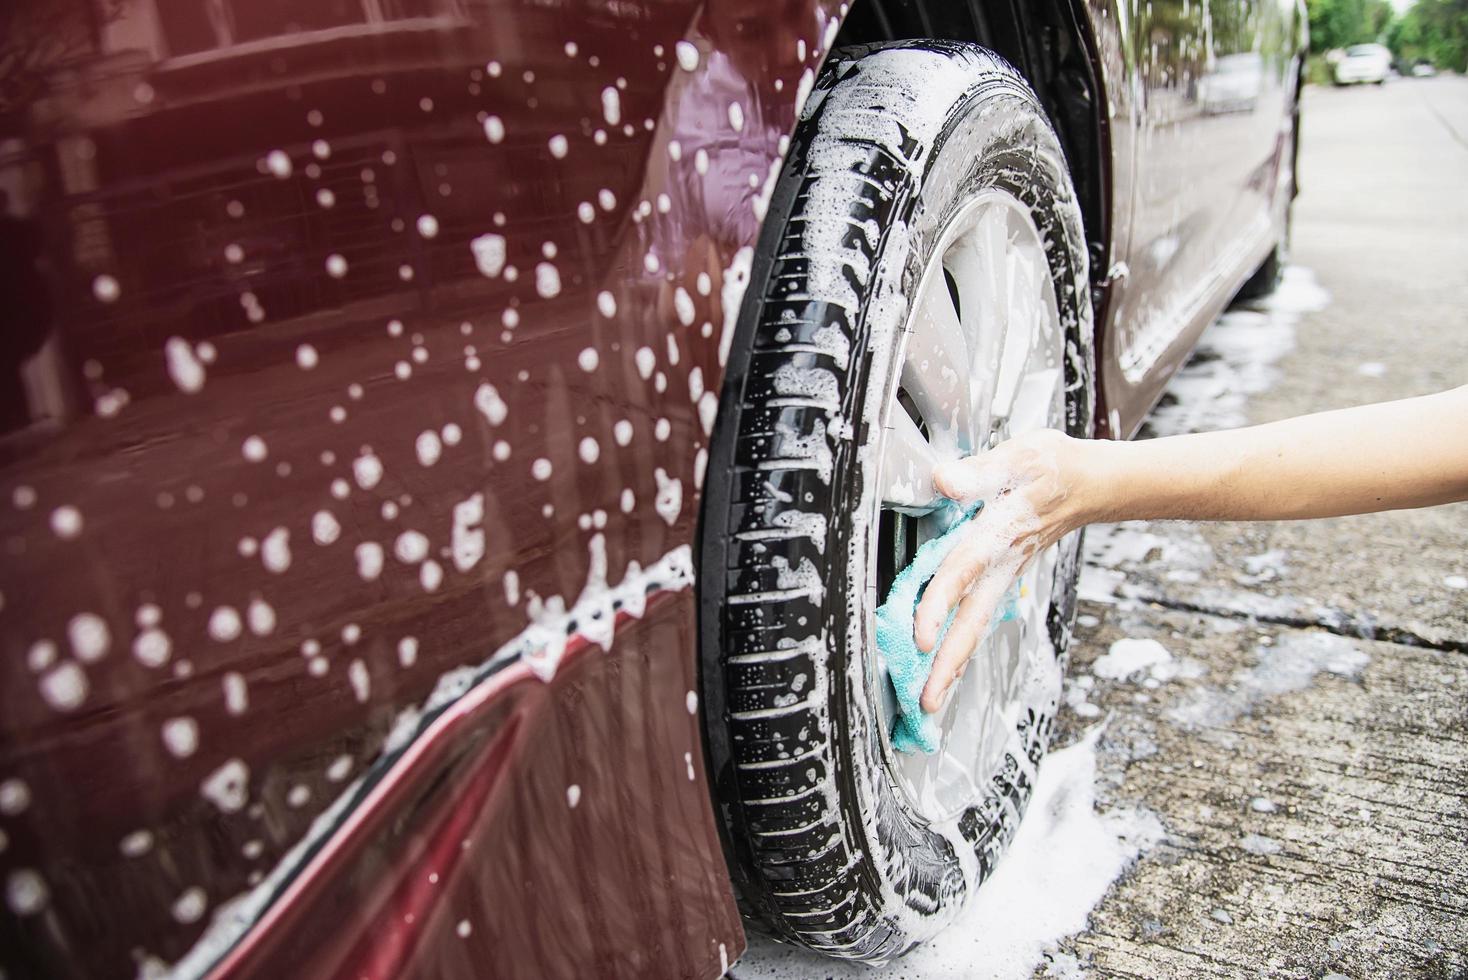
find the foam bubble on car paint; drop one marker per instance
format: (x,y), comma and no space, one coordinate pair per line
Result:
(278,164)
(541,469)
(489,254)
(324,527)
(66,522)
(669,500)
(227,787)
(26,892)
(183,365)
(367,469)
(15,797)
(236,693)
(180,737)
(428,447)
(65,686)
(646,362)
(136,844)
(467,539)
(407,652)
(687,54)
(558,146)
(588,449)
(588,359)
(89,637)
(260,616)
(360,680)
(275,551)
(611,105)
(683,306)
(152,647)
(489,403)
(411,547)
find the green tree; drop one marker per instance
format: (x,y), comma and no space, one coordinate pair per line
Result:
(1432,30)
(1338,23)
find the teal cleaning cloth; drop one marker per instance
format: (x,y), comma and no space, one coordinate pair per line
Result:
(917,731)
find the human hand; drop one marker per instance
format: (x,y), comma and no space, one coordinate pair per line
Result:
(1035,490)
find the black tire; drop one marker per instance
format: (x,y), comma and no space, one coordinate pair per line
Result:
(1265,279)
(824,848)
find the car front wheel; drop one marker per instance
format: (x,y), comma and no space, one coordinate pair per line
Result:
(921,293)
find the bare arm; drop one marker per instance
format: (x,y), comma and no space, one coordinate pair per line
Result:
(1040,486)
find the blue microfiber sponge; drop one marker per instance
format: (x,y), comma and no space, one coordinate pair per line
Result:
(907,665)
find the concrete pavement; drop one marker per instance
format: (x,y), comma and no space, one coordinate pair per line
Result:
(1303,739)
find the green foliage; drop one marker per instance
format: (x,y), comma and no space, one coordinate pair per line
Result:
(1432,30)
(1338,23)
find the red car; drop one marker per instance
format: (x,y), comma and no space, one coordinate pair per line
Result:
(453,450)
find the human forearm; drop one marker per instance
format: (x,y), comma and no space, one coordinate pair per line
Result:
(1409,453)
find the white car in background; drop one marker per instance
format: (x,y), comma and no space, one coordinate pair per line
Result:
(1363,64)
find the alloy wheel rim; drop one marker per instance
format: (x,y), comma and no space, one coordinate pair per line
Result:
(980,359)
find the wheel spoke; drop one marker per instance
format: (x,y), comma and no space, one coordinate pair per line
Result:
(907,466)
(982,272)
(936,368)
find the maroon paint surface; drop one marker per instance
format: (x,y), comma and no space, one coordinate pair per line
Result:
(286,197)
(250,193)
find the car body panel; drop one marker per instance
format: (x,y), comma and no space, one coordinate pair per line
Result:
(347,621)
(314,469)
(1207,190)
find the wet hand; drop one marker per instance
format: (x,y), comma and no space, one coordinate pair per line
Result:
(1033,489)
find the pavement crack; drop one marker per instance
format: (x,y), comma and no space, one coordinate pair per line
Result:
(1348,626)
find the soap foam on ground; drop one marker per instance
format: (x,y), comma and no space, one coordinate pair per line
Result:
(1063,861)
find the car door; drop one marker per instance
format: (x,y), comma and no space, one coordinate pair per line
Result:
(1215,87)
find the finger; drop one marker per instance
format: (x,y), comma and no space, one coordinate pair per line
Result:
(973,478)
(969,627)
(954,577)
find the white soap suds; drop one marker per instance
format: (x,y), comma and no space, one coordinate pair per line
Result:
(324,527)
(411,547)
(1127,657)
(225,624)
(228,786)
(669,501)
(367,470)
(467,538)
(89,636)
(428,447)
(489,403)
(180,737)
(183,365)
(547,280)
(1062,862)
(489,254)
(275,551)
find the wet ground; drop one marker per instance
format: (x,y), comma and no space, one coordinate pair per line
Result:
(1305,746)
(1267,725)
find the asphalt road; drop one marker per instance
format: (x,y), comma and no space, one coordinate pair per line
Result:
(1305,746)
